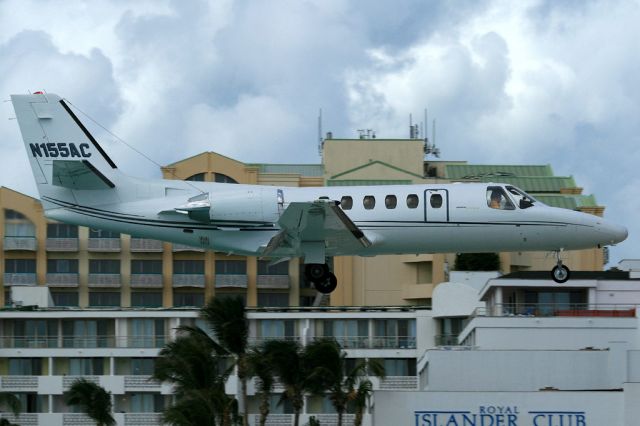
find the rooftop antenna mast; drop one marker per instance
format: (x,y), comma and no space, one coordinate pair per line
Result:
(320,140)
(430,147)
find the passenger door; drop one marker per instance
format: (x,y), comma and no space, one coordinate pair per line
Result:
(436,202)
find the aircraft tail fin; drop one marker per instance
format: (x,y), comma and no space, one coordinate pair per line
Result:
(65,158)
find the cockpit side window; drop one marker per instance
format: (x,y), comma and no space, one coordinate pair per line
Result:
(498,199)
(523,199)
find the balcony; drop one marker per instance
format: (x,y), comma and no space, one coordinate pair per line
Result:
(556,310)
(146,280)
(67,381)
(25,419)
(83,342)
(367,342)
(231,280)
(104,244)
(280,282)
(188,280)
(62,280)
(7,342)
(20,243)
(447,340)
(184,247)
(399,383)
(19,279)
(145,245)
(104,280)
(62,244)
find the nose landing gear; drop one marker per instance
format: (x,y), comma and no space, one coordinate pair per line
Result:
(560,273)
(322,278)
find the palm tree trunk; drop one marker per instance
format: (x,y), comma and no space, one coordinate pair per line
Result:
(264,410)
(358,420)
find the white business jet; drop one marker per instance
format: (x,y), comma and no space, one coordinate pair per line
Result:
(80,184)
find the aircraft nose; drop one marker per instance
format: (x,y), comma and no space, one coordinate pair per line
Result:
(614,233)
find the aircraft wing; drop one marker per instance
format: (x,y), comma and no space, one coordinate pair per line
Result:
(315,222)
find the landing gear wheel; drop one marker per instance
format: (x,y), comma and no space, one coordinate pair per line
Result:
(560,273)
(328,285)
(316,272)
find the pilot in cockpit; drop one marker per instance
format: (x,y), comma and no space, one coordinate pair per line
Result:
(496,200)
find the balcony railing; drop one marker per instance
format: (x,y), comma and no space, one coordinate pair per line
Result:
(19,278)
(67,381)
(25,419)
(104,244)
(140,382)
(367,342)
(15,383)
(557,310)
(104,280)
(145,245)
(447,340)
(62,280)
(20,243)
(104,341)
(62,244)
(188,280)
(273,282)
(142,419)
(184,247)
(146,280)
(231,280)
(399,383)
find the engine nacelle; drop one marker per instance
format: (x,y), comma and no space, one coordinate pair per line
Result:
(254,206)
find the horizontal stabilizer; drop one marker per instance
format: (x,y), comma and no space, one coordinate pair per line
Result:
(75,174)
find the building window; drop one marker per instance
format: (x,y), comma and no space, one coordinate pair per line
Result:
(182,299)
(412,201)
(220,178)
(17,225)
(61,230)
(64,298)
(346,202)
(188,266)
(32,333)
(146,299)
(281,268)
(101,233)
(104,298)
(86,366)
(369,202)
(146,266)
(143,366)
(399,367)
(146,333)
(13,214)
(395,333)
(62,266)
(348,333)
(276,329)
(104,266)
(273,299)
(235,267)
(20,266)
(198,177)
(85,333)
(146,403)
(25,366)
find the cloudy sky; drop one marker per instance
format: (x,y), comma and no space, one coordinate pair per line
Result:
(546,82)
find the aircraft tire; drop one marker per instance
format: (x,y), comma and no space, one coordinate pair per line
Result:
(560,274)
(316,272)
(328,285)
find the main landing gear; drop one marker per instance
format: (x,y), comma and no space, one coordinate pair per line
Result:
(322,278)
(560,273)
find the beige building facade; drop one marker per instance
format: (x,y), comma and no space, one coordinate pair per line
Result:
(90,268)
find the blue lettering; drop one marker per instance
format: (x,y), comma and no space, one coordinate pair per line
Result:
(35,150)
(511,419)
(500,420)
(468,420)
(452,421)
(535,420)
(580,420)
(84,146)
(426,420)
(488,417)
(74,151)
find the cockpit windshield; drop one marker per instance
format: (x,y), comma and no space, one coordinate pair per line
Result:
(523,199)
(498,199)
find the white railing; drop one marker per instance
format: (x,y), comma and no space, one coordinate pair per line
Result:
(62,244)
(25,419)
(399,383)
(232,280)
(273,282)
(19,382)
(184,247)
(188,280)
(20,243)
(145,382)
(156,341)
(145,244)
(67,381)
(142,419)
(104,280)
(77,419)
(19,278)
(146,280)
(62,280)
(104,244)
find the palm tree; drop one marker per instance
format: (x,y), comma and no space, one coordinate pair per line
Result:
(196,365)
(12,402)
(261,366)
(360,399)
(93,399)
(227,319)
(345,386)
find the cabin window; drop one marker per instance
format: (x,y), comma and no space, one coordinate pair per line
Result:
(436,201)
(369,202)
(412,201)
(497,199)
(390,201)
(346,202)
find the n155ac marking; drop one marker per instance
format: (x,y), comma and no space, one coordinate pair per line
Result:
(61,149)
